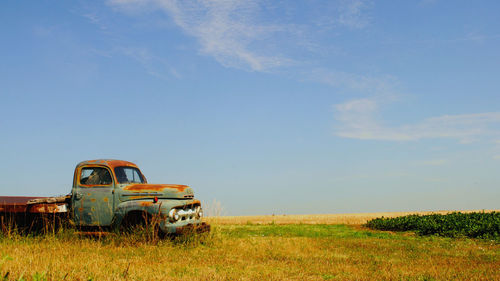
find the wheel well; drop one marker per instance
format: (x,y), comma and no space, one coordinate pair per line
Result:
(136,218)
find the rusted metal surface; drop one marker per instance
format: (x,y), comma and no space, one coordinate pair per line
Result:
(15,204)
(108,162)
(17,199)
(22,204)
(193,228)
(58,199)
(155,187)
(104,206)
(48,208)
(13,208)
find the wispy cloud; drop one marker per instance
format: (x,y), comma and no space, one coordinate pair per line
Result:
(352,13)
(383,85)
(358,119)
(226,30)
(237,34)
(95,19)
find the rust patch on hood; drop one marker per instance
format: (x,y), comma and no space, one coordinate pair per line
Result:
(155,187)
(108,162)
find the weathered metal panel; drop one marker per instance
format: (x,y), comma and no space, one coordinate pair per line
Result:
(16,199)
(24,204)
(155,187)
(15,204)
(107,204)
(45,208)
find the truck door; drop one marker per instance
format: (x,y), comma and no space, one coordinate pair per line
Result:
(93,196)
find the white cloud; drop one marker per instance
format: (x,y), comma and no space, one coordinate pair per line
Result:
(238,34)
(358,119)
(225,30)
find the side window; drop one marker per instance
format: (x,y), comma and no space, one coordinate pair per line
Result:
(95,176)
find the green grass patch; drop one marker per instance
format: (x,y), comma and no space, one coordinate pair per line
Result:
(298,230)
(473,225)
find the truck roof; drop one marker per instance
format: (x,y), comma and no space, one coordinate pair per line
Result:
(112,163)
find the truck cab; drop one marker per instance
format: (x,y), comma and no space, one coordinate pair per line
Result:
(110,193)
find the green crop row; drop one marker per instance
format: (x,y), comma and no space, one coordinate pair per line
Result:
(474,225)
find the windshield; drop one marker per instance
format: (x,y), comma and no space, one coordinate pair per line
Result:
(128,175)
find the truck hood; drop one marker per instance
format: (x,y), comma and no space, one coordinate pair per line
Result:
(166,191)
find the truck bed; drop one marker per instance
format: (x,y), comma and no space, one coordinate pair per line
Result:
(32,213)
(25,204)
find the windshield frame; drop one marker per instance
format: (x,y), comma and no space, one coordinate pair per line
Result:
(78,180)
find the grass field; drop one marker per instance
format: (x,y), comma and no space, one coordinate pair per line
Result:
(242,249)
(351,219)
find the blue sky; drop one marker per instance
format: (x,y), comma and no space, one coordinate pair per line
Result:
(284,107)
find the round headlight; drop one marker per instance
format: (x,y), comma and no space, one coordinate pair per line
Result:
(173,215)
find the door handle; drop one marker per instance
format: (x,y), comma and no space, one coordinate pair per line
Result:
(78,196)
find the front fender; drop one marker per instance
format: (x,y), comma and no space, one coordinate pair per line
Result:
(162,207)
(136,205)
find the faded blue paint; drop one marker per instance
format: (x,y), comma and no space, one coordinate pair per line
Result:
(107,206)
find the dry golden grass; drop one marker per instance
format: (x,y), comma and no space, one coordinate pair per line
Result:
(351,219)
(227,256)
(285,250)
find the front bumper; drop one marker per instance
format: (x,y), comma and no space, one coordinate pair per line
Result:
(183,218)
(184,227)
(193,228)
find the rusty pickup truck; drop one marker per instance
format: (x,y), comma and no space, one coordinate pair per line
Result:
(109,194)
